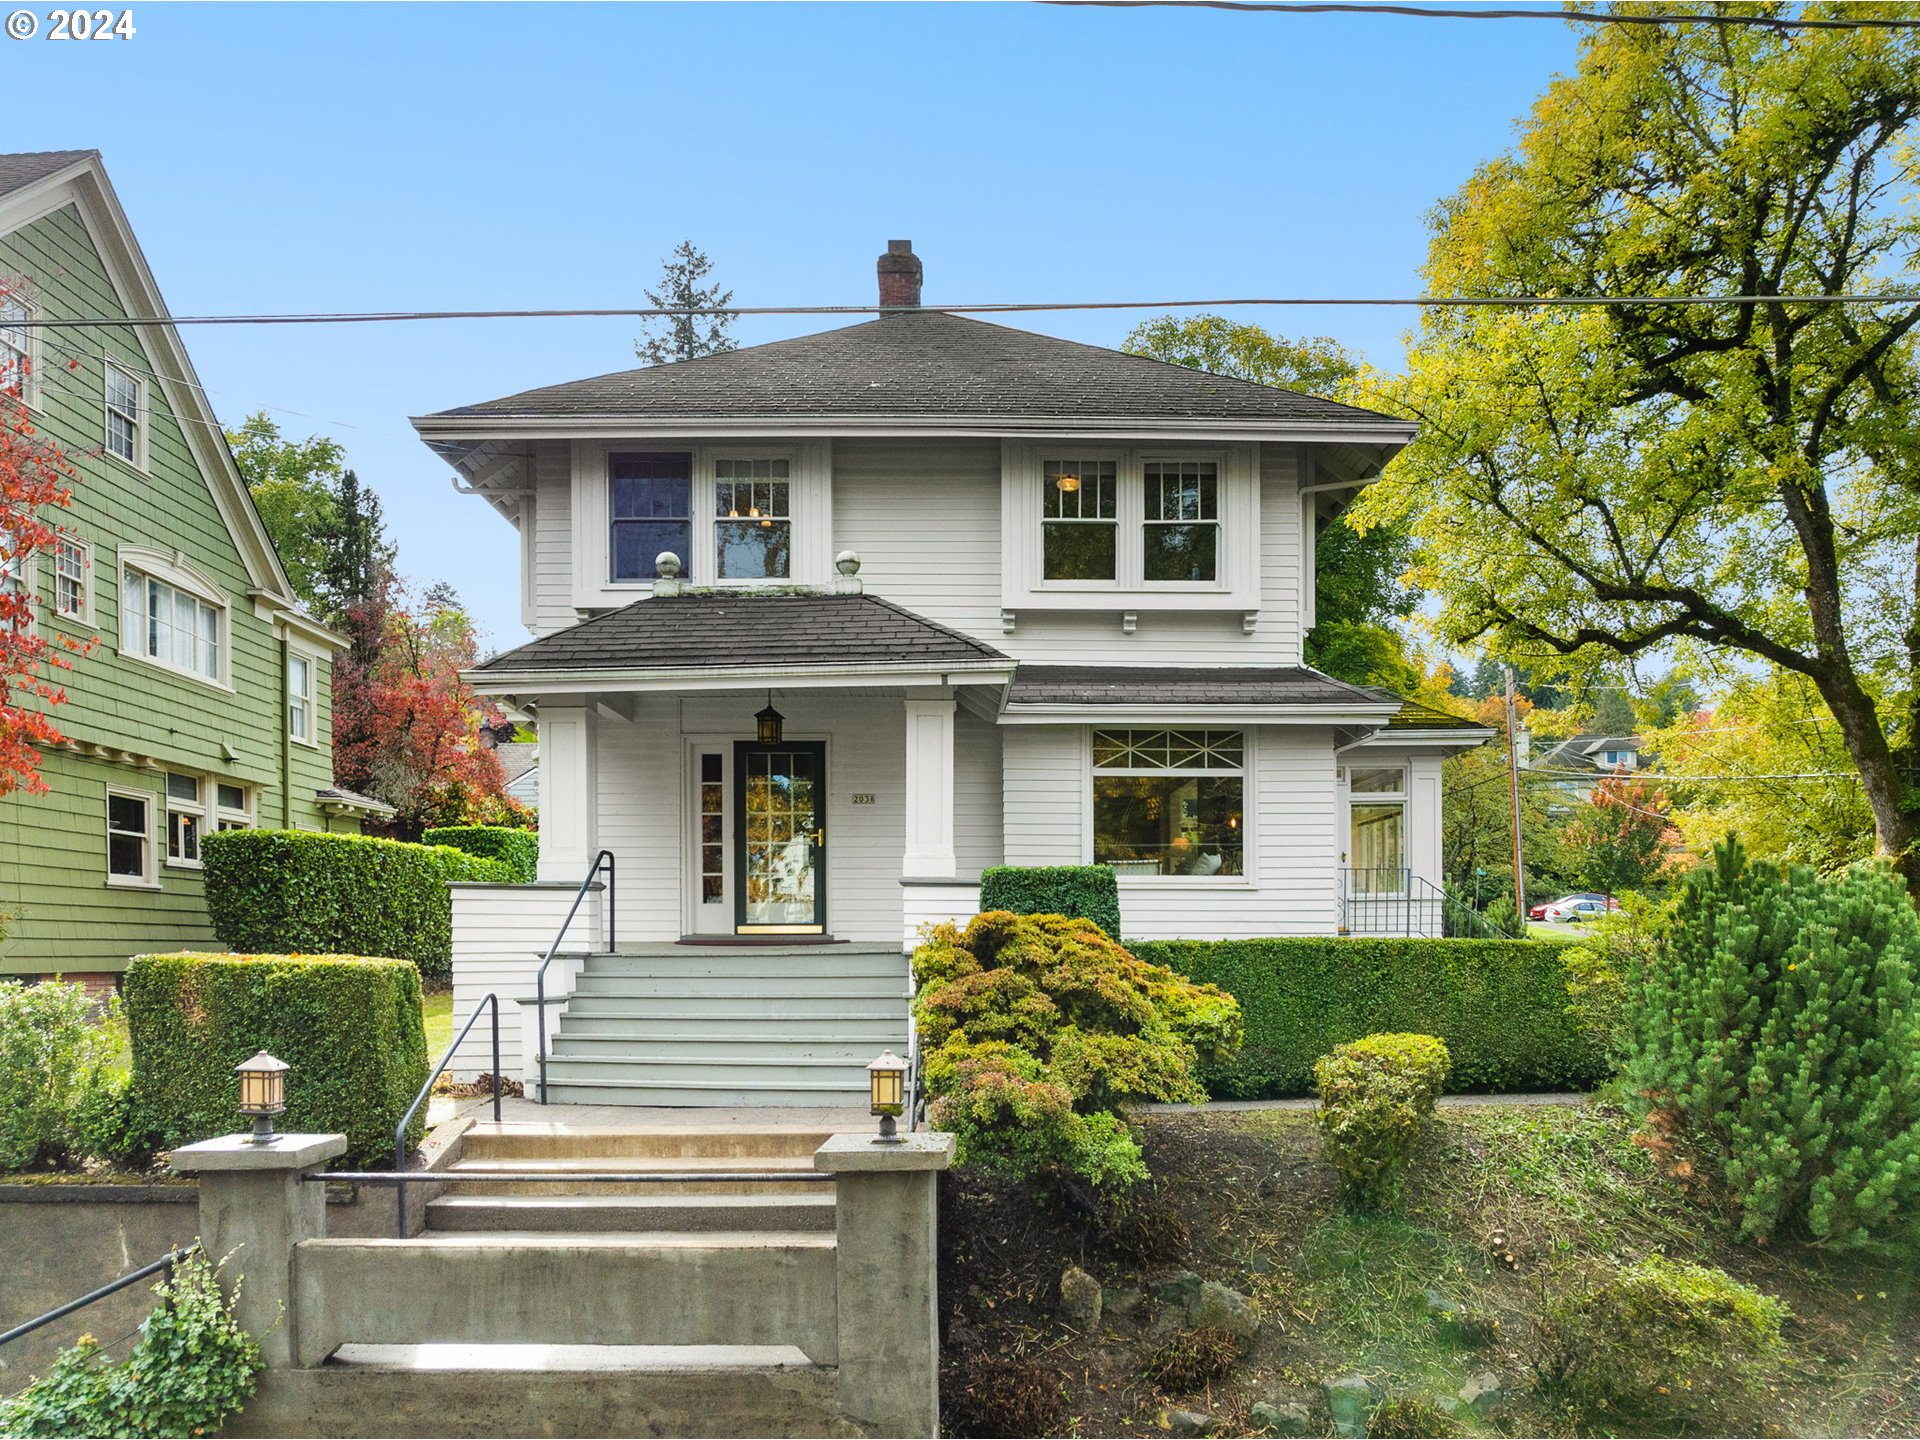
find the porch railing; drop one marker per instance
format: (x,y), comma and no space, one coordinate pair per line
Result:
(604,860)
(1376,901)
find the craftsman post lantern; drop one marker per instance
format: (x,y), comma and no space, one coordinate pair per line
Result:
(263,1092)
(887,1086)
(768,723)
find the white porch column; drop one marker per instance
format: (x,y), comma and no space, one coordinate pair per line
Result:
(929,848)
(569,826)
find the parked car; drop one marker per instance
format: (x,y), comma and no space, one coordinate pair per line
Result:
(1539,912)
(1583,907)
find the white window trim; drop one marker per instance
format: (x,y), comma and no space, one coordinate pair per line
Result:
(30,388)
(84,616)
(222,814)
(198,809)
(149,879)
(1403,797)
(139,461)
(1023,586)
(809,506)
(311,738)
(173,568)
(1248,877)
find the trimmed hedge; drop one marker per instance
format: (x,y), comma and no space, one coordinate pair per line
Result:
(518,850)
(349,1026)
(1080,892)
(1501,1007)
(295,892)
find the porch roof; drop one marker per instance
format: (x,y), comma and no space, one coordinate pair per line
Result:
(1181,693)
(740,633)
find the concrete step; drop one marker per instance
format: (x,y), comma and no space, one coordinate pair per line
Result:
(603,1213)
(813,983)
(561,1140)
(743,1007)
(738,963)
(875,1030)
(698,1049)
(806,1180)
(723,1093)
(690,1067)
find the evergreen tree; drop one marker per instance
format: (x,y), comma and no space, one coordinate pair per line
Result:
(685,337)
(354,548)
(1777,1027)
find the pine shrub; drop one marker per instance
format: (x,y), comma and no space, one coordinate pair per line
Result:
(1777,1028)
(1376,1100)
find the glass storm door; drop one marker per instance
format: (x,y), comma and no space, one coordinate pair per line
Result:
(782,838)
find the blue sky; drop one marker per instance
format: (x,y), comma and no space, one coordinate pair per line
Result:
(368,157)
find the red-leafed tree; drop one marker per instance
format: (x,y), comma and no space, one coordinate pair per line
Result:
(406,727)
(36,478)
(1624,837)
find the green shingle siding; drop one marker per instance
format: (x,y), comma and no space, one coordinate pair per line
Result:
(53,846)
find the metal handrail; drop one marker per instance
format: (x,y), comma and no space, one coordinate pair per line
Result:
(1396,898)
(491,1002)
(113,1287)
(916,1082)
(605,857)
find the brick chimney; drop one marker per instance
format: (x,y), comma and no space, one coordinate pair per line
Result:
(899,276)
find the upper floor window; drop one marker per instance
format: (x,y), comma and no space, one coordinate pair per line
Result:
(16,349)
(16,575)
(300,696)
(71,570)
(124,428)
(753,524)
(651,512)
(1170,802)
(1079,527)
(1181,540)
(168,626)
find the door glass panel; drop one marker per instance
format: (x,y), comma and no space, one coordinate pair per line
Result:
(713,832)
(781,829)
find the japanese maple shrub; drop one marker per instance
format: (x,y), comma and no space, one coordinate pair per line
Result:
(1040,1032)
(1376,1100)
(1776,1027)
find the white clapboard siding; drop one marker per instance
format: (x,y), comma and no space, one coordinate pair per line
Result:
(1046,794)
(937,904)
(499,934)
(553,537)
(978,822)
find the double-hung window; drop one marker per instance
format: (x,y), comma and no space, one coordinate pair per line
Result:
(123,424)
(753,524)
(1174,529)
(233,806)
(1170,802)
(1181,536)
(168,626)
(300,697)
(1080,527)
(16,350)
(651,513)
(1377,830)
(71,567)
(129,837)
(186,818)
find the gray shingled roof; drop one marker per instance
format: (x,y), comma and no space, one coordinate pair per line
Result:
(24,168)
(1412,715)
(1180,685)
(744,632)
(919,363)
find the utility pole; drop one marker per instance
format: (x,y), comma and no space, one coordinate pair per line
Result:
(1513,781)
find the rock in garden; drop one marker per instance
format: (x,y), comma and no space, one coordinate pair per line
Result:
(1121,1301)
(1483,1392)
(1216,1307)
(1288,1420)
(1180,1289)
(1080,1299)
(1350,1401)
(1192,1422)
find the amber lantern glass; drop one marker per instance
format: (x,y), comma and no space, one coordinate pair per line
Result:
(263,1092)
(887,1088)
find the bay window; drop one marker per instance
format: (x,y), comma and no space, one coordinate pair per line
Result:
(1170,802)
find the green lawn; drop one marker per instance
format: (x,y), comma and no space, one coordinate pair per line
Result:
(436,1007)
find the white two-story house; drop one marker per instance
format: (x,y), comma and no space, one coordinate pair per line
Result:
(828,626)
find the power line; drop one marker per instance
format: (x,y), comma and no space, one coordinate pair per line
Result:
(619,312)
(1429,12)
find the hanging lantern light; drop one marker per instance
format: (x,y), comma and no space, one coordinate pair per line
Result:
(769,722)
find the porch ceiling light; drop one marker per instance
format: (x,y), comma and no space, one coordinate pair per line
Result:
(887,1088)
(1067,484)
(263,1092)
(768,723)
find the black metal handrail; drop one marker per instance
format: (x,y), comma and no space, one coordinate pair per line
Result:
(1386,900)
(403,1178)
(113,1287)
(605,857)
(916,1081)
(490,1002)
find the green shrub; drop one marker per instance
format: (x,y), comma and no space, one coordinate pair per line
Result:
(56,1042)
(108,1126)
(293,892)
(192,1369)
(1501,1006)
(1777,1026)
(1080,892)
(1663,1348)
(351,1029)
(1039,1031)
(518,850)
(1376,1100)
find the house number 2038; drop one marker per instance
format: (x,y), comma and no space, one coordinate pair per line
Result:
(863,797)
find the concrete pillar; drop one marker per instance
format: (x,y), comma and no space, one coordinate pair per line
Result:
(929,797)
(886,1257)
(254,1208)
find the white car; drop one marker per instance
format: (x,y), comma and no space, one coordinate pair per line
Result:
(1573,910)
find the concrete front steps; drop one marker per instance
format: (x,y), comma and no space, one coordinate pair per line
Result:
(729,1026)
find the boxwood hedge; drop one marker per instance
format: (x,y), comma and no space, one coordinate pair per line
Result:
(350,1027)
(1500,1006)
(518,850)
(300,893)
(1082,892)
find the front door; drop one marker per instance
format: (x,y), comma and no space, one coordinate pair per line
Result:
(780,838)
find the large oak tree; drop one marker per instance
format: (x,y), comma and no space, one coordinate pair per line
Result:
(1733,483)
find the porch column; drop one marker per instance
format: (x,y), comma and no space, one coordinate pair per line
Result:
(567,792)
(929,848)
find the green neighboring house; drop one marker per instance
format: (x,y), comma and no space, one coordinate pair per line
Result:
(205,702)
